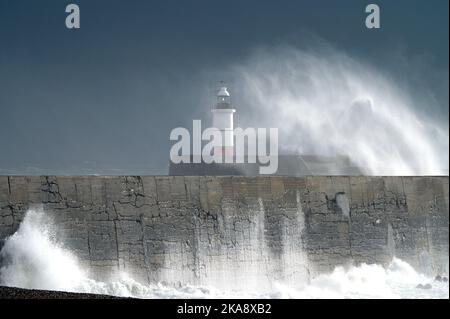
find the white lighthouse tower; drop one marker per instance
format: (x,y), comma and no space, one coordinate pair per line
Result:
(223,114)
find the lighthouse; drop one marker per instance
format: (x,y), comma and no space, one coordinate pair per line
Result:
(223,114)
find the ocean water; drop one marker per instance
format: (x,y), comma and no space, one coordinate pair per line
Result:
(33,258)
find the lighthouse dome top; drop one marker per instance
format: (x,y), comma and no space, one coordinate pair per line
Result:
(223,92)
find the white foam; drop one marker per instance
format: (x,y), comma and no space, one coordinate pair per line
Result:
(33,258)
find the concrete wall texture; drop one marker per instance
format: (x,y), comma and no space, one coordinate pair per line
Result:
(226,230)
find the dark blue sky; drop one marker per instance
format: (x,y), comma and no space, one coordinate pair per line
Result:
(111,91)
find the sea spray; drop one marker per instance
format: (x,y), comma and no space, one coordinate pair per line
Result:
(33,258)
(256,249)
(327,103)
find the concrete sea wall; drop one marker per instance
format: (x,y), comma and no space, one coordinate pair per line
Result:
(228,230)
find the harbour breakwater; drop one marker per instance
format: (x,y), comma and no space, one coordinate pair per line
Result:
(230,231)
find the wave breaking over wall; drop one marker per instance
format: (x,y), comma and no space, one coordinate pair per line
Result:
(327,103)
(206,236)
(33,258)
